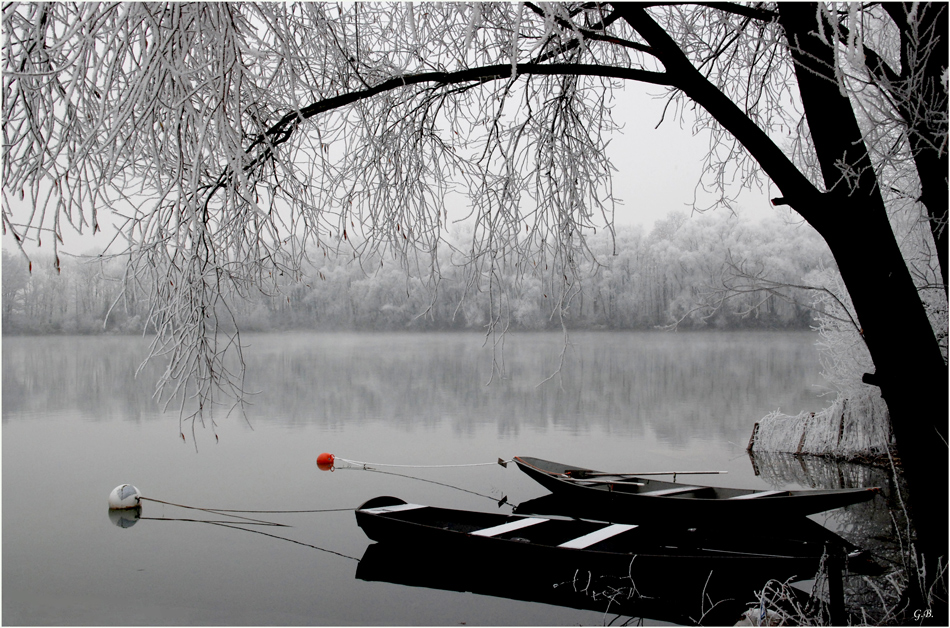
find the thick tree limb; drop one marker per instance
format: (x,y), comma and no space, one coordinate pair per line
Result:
(796,188)
(593,32)
(281,131)
(917,96)
(754,12)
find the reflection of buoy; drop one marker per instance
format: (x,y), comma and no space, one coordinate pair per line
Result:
(124,496)
(325,462)
(125,517)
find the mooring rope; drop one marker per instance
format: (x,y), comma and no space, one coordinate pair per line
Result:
(226,510)
(503,500)
(236,525)
(367,465)
(283,538)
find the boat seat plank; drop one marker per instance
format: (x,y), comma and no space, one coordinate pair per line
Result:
(757,495)
(597,536)
(395,508)
(599,482)
(509,527)
(671,491)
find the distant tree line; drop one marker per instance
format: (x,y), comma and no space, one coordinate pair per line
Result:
(669,276)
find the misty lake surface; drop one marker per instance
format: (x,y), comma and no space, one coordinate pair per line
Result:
(77,423)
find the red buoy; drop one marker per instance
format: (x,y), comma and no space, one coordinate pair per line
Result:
(325,461)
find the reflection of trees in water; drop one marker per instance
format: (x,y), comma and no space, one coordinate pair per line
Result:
(92,375)
(878,526)
(682,386)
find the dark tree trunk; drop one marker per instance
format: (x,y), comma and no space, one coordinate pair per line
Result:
(921,100)
(910,367)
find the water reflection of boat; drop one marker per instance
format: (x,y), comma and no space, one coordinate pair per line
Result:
(653,560)
(676,500)
(544,584)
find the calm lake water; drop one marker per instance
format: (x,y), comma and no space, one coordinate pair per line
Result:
(77,423)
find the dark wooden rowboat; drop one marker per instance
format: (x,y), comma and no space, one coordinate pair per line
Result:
(651,498)
(656,559)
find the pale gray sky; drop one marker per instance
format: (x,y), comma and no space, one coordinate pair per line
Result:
(658,169)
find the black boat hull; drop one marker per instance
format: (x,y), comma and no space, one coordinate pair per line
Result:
(652,564)
(624,498)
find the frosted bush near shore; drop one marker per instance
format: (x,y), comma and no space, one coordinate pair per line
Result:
(850,426)
(857,422)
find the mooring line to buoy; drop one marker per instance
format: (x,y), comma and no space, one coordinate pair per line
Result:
(282,538)
(458,488)
(228,512)
(285,512)
(235,525)
(420,466)
(327,460)
(243,523)
(213,511)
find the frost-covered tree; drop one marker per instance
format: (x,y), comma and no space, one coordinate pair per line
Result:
(233,140)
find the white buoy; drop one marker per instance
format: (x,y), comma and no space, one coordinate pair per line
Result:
(124,496)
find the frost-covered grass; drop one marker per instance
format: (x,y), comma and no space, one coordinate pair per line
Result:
(881,588)
(853,426)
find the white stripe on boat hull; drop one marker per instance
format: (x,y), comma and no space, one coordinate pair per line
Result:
(757,495)
(397,508)
(508,527)
(671,491)
(597,536)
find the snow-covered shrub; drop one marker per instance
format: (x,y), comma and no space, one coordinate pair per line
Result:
(857,421)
